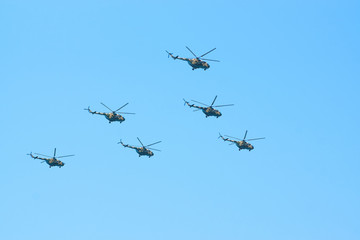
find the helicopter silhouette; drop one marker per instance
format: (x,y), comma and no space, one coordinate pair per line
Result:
(196,62)
(241,144)
(51,161)
(209,110)
(144,150)
(113,116)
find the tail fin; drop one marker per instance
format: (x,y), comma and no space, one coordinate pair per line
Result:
(220,136)
(171,55)
(87,109)
(125,145)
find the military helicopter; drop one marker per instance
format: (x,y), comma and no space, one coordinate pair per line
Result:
(196,62)
(113,116)
(209,110)
(241,144)
(144,150)
(51,161)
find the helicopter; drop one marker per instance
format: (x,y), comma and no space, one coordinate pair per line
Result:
(209,110)
(144,150)
(241,144)
(113,116)
(196,62)
(51,161)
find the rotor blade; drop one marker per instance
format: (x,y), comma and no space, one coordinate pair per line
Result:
(200,103)
(208,52)
(54,152)
(191,52)
(213,101)
(140,142)
(224,105)
(126,113)
(107,107)
(232,137)
(198,109)
(245,134)
(42,155)
(121,107)
(210,60)
(66,156)
(153,144)
(254,139)
(154,149)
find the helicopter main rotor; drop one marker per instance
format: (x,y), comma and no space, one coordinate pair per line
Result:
(54,157)
(114,112)
(200,58)
(147,146)
(244,139)
(226,105)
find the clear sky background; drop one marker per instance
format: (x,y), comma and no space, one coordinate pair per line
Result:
(290,67)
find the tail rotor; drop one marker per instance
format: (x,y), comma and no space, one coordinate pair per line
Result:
(169,54)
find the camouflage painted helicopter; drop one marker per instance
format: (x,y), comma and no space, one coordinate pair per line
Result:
(196,62)
(144,150)
(209,110)
(51,161)
(113,116)
(241,144)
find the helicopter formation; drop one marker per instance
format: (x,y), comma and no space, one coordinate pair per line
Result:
(145,150)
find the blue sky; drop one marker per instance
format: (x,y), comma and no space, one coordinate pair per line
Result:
(290,67)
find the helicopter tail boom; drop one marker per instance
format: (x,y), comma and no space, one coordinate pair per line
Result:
(225,139)
(126,145)
(31,155)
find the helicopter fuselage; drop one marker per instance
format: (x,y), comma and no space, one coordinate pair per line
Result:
(209,111)
(244,145)
(144,152)
(113,117)
(52,162)
(196,63)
